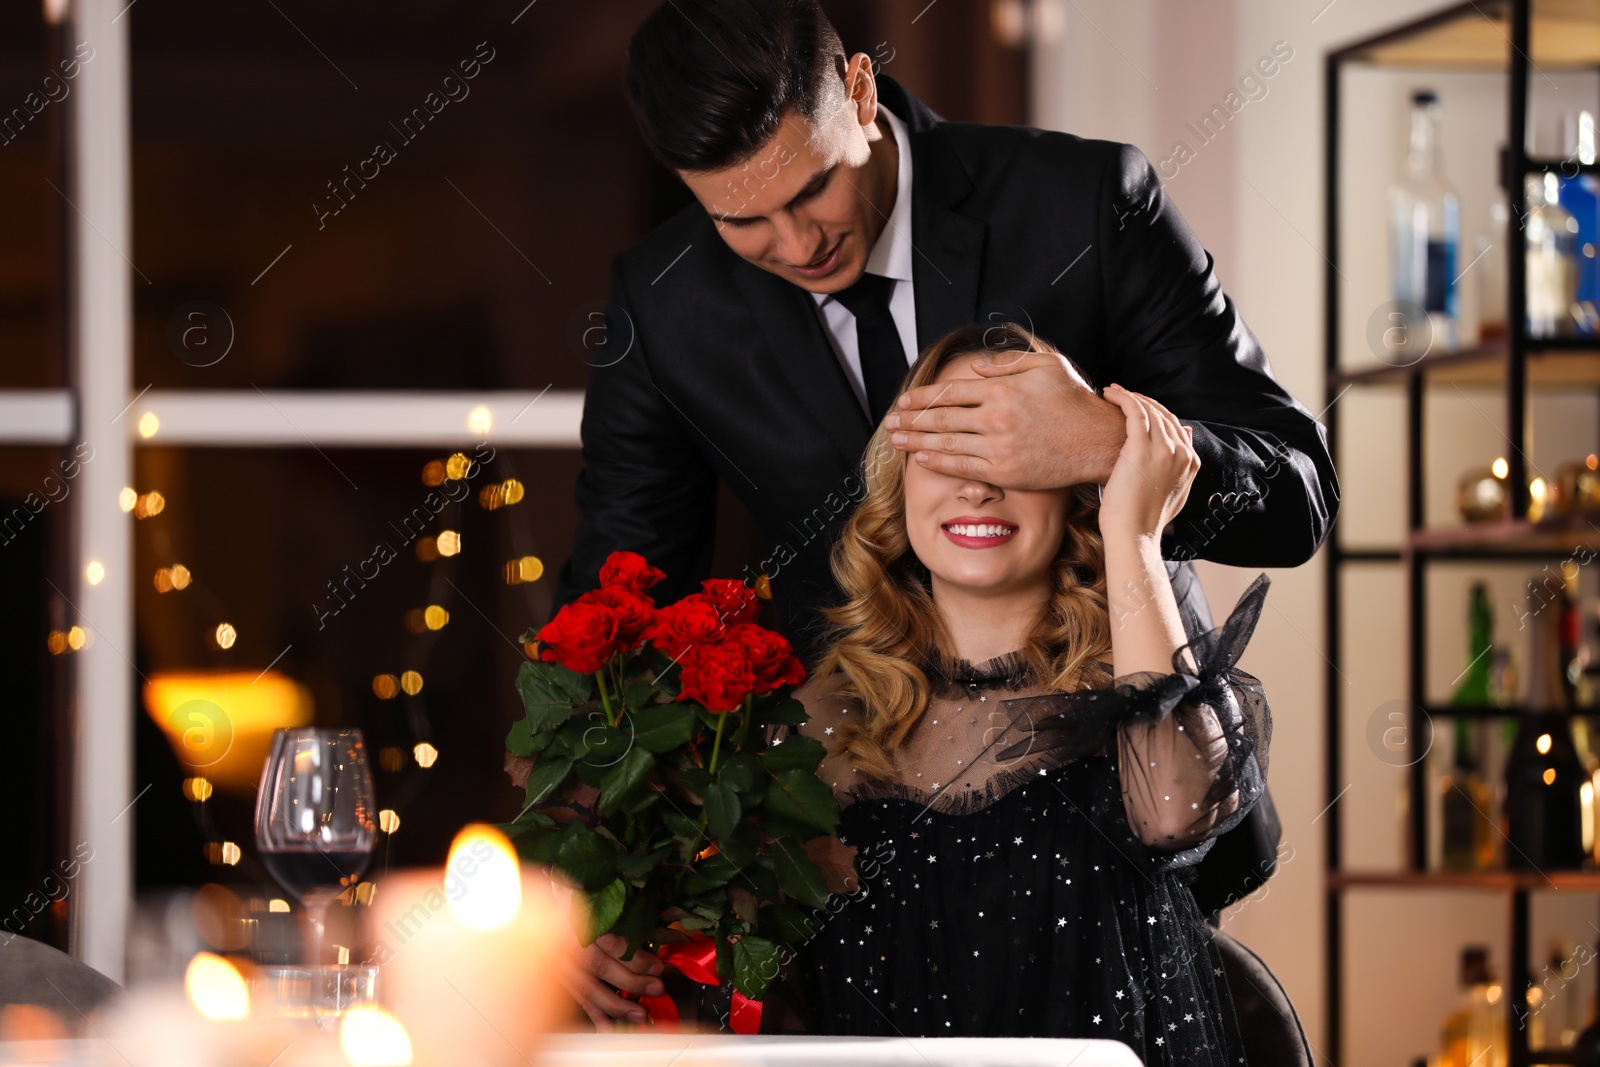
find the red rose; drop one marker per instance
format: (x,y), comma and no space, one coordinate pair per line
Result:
(736,601)
(630,571)
(634,611)
(694,620)
(581,637)
(772,662)
(718,676)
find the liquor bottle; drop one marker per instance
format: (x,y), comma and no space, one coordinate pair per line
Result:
(1580,196)
(1467,827)
(1425,230)
(1475,1033)
(1474,686)
(1552,275)
(1545,794)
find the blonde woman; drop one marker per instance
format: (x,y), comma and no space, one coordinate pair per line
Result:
(1014,717)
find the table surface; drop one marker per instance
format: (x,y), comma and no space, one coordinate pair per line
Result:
(687,1050)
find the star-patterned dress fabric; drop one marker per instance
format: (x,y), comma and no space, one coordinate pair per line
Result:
(1003,890)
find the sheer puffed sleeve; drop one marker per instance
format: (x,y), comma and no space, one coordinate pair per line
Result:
(1190,747)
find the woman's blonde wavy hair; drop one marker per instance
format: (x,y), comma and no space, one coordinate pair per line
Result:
(886,635)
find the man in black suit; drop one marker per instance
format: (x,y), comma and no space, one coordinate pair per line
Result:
(757,336)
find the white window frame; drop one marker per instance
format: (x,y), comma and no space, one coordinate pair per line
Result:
(105,411)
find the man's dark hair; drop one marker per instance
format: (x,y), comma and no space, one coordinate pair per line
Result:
(710,80)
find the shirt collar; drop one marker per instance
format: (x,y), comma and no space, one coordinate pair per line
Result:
(891,255)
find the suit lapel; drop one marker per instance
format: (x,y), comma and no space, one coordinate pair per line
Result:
(789,320)
(946,246)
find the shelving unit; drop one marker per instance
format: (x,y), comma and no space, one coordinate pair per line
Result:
(1516,37)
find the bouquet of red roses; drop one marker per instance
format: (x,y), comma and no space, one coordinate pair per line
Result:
(650,784)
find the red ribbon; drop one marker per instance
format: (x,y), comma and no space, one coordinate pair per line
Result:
(697,960)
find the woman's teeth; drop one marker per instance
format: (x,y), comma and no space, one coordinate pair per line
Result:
(980,530)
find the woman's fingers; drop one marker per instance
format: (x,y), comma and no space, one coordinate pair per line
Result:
(604,1005)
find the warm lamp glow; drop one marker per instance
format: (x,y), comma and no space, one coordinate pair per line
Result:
(435,617)
(388,820)
(457,467)
(479,420)
(371,1037)
(148,424)
(411,682)
(487,865)
(222,723)
(1542,744)
(1501,467)
(449,542)
(216,988)
(95,572)
(425,754)
(127,498)
(226,635)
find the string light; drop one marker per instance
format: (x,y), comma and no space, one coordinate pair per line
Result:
(411,682)
(149,504)
(225,635)
(197,789)
(388,821)
(385,686)
(435,617)
(170,578)
(95,572)
(77,638)
(457,467)
(148,424)
(479,420)
(127,498)
(449,543)
(427,549)
(425,754)
(433,473)
(526,569)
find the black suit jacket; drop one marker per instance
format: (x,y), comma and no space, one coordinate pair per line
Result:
(715,369)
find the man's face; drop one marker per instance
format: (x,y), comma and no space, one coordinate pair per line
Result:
(811,203)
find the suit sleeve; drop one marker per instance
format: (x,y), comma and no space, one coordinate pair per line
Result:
(1266,494)
(645,486)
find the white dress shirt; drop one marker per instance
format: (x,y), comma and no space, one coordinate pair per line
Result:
(890,258)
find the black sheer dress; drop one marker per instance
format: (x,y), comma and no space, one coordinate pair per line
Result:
(1011,879)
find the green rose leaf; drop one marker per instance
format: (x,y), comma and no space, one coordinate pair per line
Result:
(590,858)
(755,965)
(521,741)
(722,809)
(623,777)
(605,906)
(797,753)
(664,728)
(743,772)
(547,773)
(711,872)
(549,693)
(790,712)
(800,795)
(797,874)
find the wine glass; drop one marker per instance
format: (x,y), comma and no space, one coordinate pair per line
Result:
(316,820)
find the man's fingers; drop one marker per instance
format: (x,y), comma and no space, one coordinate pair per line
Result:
(996,364)
(960,393)
(940,420)
(950,444)
(598,997)
(955,466)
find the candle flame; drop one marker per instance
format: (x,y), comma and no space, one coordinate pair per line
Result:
(482,860)
(371,1037)
(216,988)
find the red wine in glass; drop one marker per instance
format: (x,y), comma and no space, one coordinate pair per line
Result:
(316,819)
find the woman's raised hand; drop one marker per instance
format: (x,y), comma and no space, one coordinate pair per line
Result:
(1150,480)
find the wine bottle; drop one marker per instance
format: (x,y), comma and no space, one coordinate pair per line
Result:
(1580,196)
(1474,686)
(1544,809)
(1468,828)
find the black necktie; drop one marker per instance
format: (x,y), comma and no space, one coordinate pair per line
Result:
(883,358)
